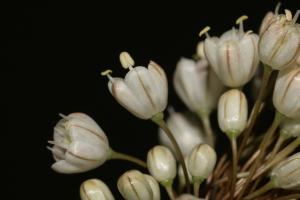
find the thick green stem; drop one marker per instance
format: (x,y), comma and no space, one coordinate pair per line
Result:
(234,166)
(255,111)
(122,156)
(207,127)
(270,185)
(158,119)
(262,148)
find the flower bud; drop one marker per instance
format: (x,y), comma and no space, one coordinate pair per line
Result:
(233,56)
(161,164)
(95,189)
(233,112)
(197,85)
(286,96)
(290,127)
(279,44)
(134,185)
(154,186)
(201,162)
(286,175)
(79,144)
(188,197)
(143,91)
(186,131)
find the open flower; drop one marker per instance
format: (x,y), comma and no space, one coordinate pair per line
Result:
(279,44)
(233,56)
(197,85)
(269,18)
(79,144)
(143,91)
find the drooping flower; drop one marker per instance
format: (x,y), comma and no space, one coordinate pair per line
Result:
(79,144)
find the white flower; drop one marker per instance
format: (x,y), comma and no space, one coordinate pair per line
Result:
(286,96)
(286,174)
(279,44)
(290,127)
(197,85)
(233,56)
(185,130)
(201,162)
(269,18)
(95,189)
(143,91)
(154,186)
(133,185)
(161,164)
(233,112)
(79,144)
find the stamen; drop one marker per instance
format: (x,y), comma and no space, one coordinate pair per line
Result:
(126,60)
(240,22)
(205,31)
(288,15)
(296,16)
(107,73)
(277,8)
(200,50)
(50,149)
(64,116)
(58,144)
(249,32)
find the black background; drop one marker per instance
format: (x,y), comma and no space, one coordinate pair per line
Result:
(56,52)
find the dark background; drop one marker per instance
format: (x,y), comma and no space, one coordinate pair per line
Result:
(56,52)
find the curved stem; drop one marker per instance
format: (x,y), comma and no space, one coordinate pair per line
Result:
(122,156)
(262,147)
(158,119)
(234,166)
(255,110)
(262,190)
(207,127)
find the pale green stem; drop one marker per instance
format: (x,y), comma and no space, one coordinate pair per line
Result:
(197,187)
(122,156)
(158,119)
(170,191)
(278,144)
(207,128)
(234,166)
(255,110)
(270,185)
(262,148)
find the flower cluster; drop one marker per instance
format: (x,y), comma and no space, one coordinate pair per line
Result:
(261,164)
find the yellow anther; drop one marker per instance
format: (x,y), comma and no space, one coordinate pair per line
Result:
(288,15)
(241,19)
(126,60)
(204,31)
(106,72)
